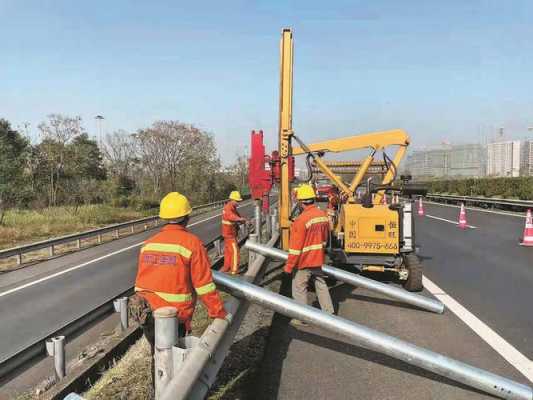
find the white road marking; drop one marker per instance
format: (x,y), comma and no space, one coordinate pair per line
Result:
(523,364)
(449,221)
(15,289)
(479,209)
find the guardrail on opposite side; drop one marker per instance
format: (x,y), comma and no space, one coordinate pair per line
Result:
(19,251)
(486,201)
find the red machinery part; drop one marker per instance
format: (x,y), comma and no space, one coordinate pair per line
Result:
(259,171)
(275,162)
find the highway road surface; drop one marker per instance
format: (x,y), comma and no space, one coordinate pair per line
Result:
(37,300)
(483,276)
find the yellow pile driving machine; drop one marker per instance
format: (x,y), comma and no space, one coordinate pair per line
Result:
(369,234)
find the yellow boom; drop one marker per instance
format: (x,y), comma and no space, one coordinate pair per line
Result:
(376,141)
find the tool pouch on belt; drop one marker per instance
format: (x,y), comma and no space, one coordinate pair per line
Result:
(139,310)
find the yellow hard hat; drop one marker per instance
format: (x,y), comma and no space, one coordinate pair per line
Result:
(305,192)
(235,195)
(174,205)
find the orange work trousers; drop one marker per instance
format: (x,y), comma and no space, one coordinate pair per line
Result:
(232,256)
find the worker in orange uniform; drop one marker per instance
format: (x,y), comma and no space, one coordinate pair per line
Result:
(231,219)
(174,270)
(333,204)
(308,236)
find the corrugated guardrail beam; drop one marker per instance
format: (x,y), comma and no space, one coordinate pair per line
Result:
(50,243)
(481,200)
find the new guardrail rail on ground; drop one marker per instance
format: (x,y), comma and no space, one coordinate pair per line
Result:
(487,201)
(19,251)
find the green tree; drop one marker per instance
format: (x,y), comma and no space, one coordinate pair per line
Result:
(13,150)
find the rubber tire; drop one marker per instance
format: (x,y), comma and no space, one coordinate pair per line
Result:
(414,280)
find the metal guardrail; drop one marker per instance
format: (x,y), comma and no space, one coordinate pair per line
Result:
(37,348)
(487,201)
(19,251)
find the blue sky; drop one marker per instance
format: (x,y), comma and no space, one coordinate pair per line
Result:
(442,70)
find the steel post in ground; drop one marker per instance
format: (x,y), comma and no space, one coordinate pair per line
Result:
(268,224)
(377,341)
(253,238)
(257,219)
(275,220)
(165,338)
(121,306)
(218,247)
(55,347)
(358,280)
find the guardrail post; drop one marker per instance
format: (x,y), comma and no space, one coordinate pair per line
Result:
(257,217)
(51,250)
(117,233)
(19,258)
(165,339)
(275,221)
(133,229)
(121,306)
(99,238)
(252,237)
(78,244)
(218,247)
(55,347)
(268,224)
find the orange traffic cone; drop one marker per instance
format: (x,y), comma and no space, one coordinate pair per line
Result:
(462,217)
(420,207)
(527,240)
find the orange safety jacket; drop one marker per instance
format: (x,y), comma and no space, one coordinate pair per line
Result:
(230,218)
(174,270)
(308,237)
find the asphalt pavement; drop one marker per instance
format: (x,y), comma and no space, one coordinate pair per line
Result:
(484,269)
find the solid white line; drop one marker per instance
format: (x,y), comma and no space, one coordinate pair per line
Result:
(449,221)
(87,263)
(523,364)
(479,209)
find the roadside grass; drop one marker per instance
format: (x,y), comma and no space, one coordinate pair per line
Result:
(26,226)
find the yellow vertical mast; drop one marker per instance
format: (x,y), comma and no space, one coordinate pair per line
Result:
(285,132)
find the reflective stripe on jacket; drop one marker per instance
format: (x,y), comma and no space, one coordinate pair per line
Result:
(308,237)
(230,218)
(173,270)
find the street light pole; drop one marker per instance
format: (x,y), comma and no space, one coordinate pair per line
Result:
(99,119)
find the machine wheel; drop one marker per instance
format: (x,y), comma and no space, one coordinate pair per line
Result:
(414,279)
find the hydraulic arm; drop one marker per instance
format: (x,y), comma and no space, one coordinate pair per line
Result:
(377,141)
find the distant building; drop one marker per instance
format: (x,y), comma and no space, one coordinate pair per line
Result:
(465,160)
(526,158)
(503,158)
(423,164)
